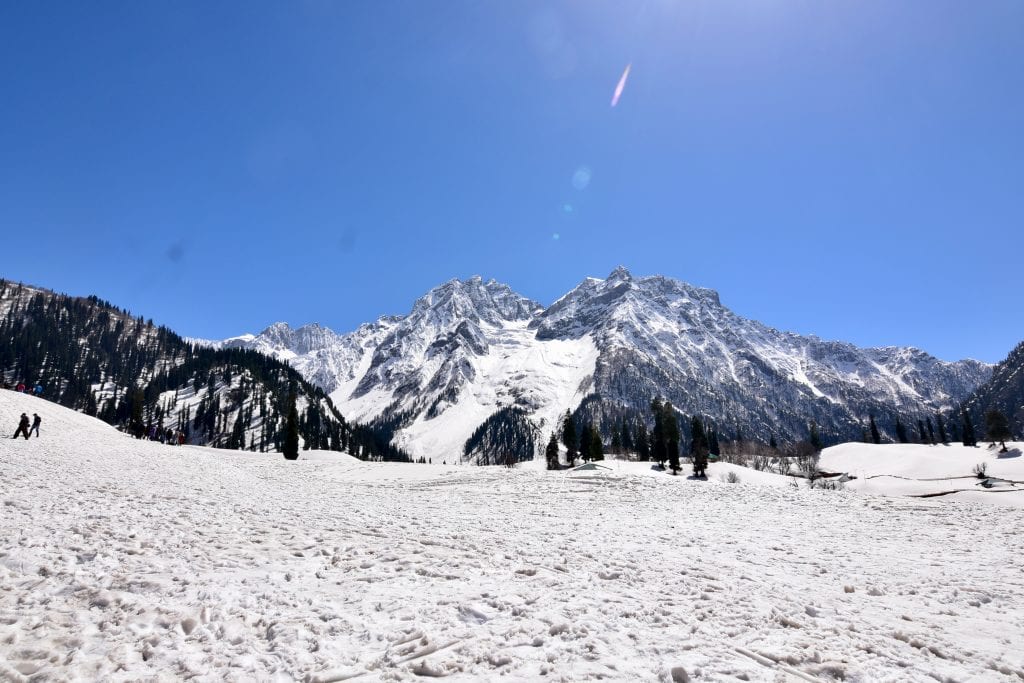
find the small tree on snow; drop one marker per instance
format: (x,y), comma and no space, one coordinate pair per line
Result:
(569,438)
(967,428)
(698,447)
(997,428)
(551,453)
(291,430)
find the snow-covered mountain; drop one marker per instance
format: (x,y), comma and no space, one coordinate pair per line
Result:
(1004,391)
(469,348)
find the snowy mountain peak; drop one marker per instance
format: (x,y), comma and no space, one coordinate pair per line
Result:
(471,348)
(620,274)
(474,300)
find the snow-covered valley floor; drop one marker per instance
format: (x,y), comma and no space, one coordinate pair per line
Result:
(128,560)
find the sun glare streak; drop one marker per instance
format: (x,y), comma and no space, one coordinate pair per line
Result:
(621,85)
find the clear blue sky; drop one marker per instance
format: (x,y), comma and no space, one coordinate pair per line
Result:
(851,168)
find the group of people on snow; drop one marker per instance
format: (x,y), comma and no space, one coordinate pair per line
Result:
(154,433)
(25,429)
(23,388)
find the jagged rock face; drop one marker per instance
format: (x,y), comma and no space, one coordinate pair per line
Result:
(476,347)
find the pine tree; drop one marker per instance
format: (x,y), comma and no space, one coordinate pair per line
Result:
(931,431)
(627,439)
(997,428)
(596,446)
(616,446)
(670,422)
(942,428)
(772,443)
(922,434)
(569,438)
(136,425)
(901,431)
(643,446)
(967,427)
(586,435)
(713,446)
(659,450)
(875,436)
(551,453)
(291,430)
(816,443)
(698,447)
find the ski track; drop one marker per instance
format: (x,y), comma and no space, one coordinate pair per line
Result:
(128,560)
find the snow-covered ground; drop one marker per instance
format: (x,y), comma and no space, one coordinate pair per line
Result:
(128,560)
(944,471)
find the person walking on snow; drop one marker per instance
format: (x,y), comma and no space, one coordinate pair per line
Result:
(35,425)
(22,427)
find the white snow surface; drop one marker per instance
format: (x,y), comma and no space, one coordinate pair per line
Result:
(129,560)
(945,471)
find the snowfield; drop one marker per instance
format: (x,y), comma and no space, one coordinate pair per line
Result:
(940,470)
(129,560)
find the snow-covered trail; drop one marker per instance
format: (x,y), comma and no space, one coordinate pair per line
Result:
(126,560)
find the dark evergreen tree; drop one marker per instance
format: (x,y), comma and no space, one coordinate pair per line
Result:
(997,428)
(901,431)
(616,446)
(967,428)
(931,431)
(596,446)
(628,446)
(659,449)
(586,435)
(670,425)
(875,436)
(569,439)
(943,438)
(815,438)
(922,434)
(772,443)
(290,449)
(551,453)
(643,445)
(698,447)
(713,446)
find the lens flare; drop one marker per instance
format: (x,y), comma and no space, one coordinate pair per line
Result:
(622,85)
(581,178)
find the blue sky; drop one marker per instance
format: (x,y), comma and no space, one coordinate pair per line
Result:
(852,169)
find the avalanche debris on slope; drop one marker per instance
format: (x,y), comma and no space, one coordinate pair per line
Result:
(130,560)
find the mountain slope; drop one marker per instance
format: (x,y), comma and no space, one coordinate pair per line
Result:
(89,355)
(469,349)
(1004,391)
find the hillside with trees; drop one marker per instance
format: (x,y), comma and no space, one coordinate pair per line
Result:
(89,355)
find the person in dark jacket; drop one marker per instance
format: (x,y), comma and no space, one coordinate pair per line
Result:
(35,425)
(22,426)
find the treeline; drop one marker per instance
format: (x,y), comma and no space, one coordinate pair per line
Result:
(505,438)
(943,430)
